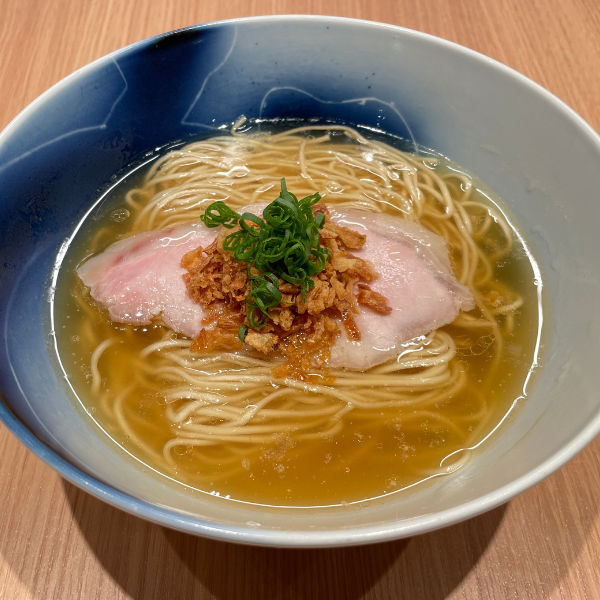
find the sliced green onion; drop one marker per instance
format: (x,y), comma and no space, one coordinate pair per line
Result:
(283,244)
(218,213)
(253,219)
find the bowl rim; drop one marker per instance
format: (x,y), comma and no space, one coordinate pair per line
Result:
(311,538)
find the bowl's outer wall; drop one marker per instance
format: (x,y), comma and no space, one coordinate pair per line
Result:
(539,157)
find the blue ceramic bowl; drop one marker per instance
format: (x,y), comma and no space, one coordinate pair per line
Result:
(60,153)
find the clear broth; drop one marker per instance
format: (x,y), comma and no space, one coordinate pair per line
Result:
(367,459)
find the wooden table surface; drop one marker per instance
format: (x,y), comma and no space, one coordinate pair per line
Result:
(58,542)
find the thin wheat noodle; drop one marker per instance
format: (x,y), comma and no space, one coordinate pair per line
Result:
(232,398)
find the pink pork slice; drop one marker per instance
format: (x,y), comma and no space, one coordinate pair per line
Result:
(139,277)
(416,278)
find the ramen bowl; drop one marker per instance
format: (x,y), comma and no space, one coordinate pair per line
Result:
(65,150)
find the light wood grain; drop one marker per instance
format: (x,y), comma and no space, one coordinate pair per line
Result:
(58,542)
